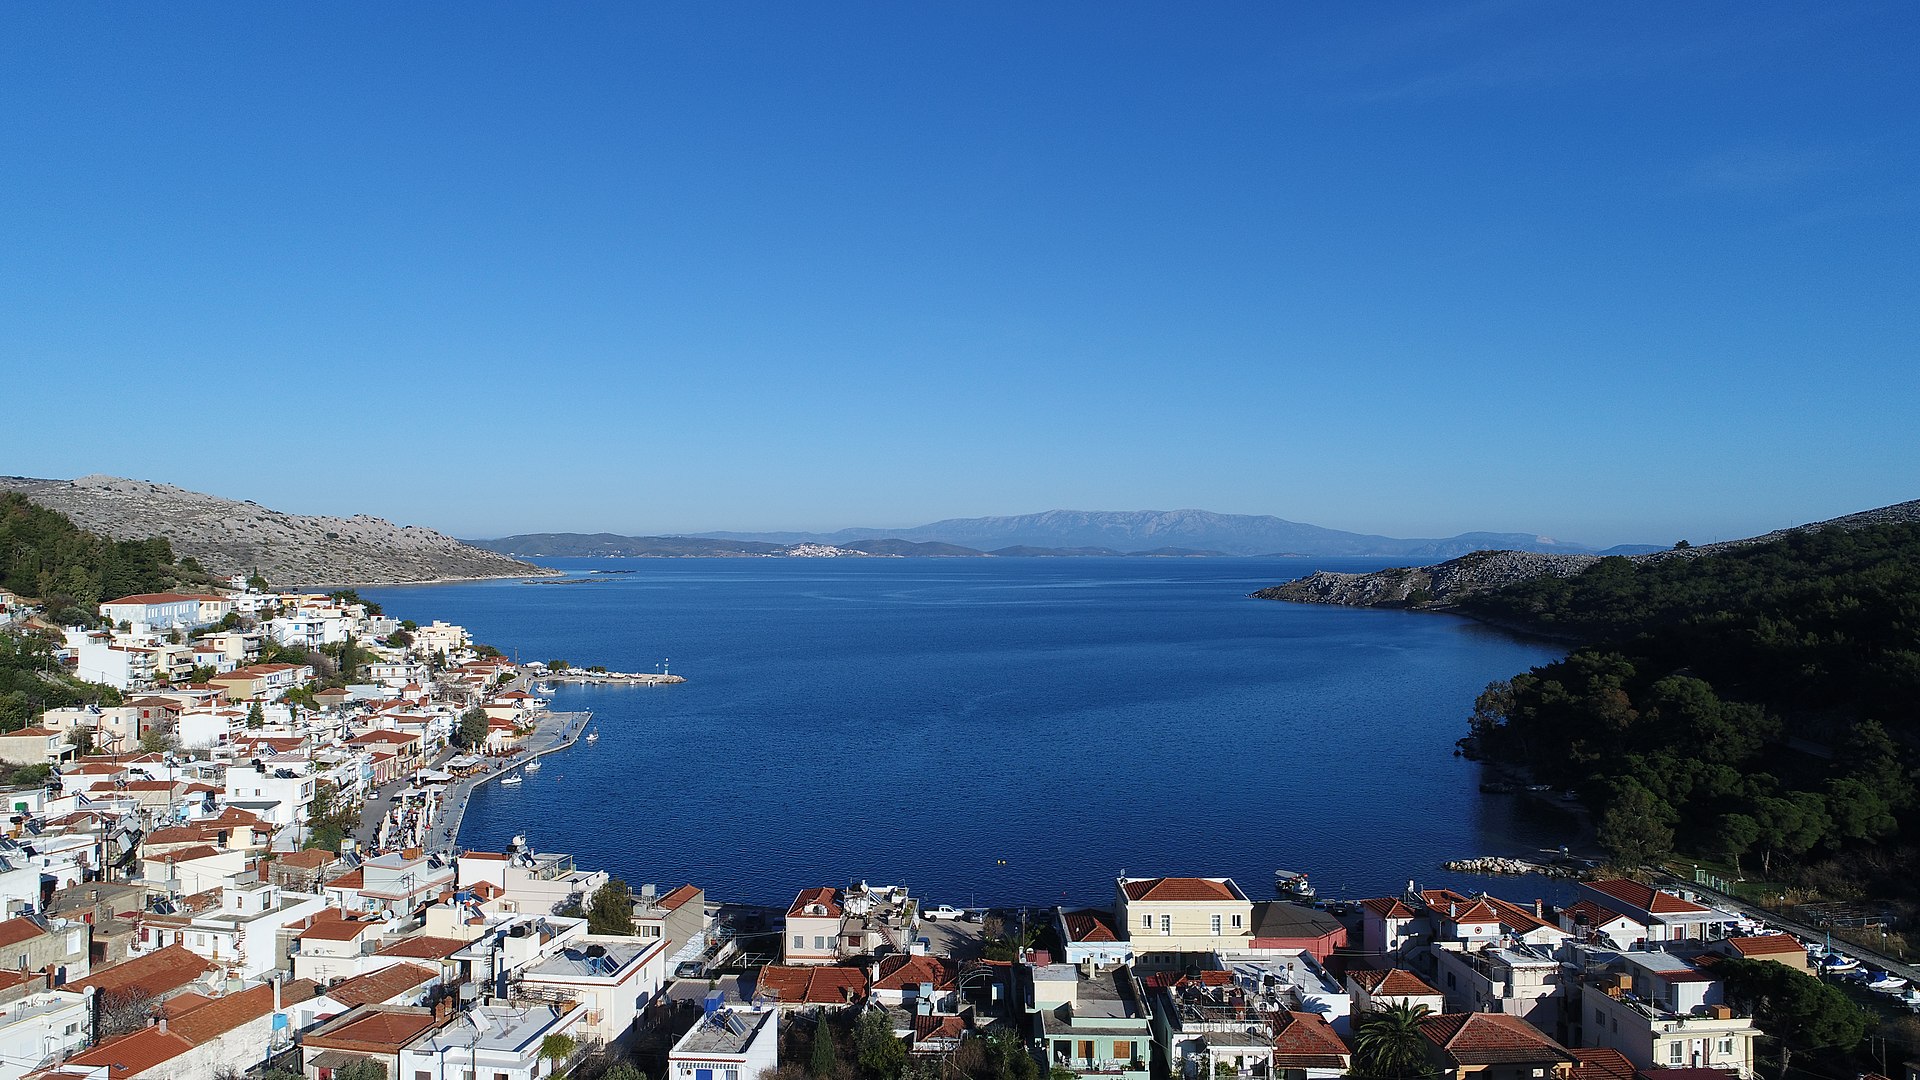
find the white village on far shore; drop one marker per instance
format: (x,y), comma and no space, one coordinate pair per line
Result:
(232,873)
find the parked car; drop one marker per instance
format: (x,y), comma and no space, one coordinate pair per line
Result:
(944,911)
(688,969)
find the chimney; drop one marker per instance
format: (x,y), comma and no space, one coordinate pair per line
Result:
(1539,909)
(163,1023)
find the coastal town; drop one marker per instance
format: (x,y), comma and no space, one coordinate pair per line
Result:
(250,866)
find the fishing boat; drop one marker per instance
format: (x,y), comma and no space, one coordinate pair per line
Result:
(514,779)
(1292,885)
(1885,982)
(543,690)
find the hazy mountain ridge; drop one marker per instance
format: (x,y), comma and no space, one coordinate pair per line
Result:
(1194,530)
(1446,583)
(227,536)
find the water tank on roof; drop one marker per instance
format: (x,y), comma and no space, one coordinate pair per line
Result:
(712,1003)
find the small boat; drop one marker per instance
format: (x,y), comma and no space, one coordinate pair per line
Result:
(593,736)
(532,766)
(514,779)
(1294,885)
(1911,999)
(1884,982)
(543,690)
(1834,963)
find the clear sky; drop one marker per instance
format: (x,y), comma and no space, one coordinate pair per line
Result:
(1611,272)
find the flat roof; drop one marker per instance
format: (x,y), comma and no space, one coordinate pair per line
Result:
(726,1033)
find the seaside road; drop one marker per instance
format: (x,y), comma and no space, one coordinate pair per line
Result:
(1875,957)
(554,731)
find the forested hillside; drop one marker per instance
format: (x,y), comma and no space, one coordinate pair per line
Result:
(1758,702)
(45,556)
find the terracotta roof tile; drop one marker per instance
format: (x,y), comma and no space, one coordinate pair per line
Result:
(155,973)
(1391,982)
(133,1054)
(1760,945)
(1490,1039)
(371,1029)
(421,947)
(1090,925)
(223,1014)
(674,900)
(15,931)
(1389,907)
(1645,897)
(1177,889)
(378,987)
(1305,1041)
(825,897)
(1600,1063)
(899,972)
(813,985)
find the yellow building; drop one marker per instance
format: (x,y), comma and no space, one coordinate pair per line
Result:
(1168,917)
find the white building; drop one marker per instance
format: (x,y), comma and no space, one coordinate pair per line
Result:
(727,1044)
(40,1029)
(1663,1012)
(499,1042)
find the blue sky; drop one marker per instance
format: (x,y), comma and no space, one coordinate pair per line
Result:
(1610,272)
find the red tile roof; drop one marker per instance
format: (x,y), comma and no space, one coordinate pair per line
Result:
(1600,1063)
(825,897)
(424,948)
(1391,982)
(1177,889)
(1090,925)
(1645,897)
(899,972)
(15,931)
(1761,945)
(1521,920)
(1596,915)
(1490,1039)
(371,1029)
(678,897)
(378,987)
(309,859)
(221,1015)
(1305,1041)
(1388,907)
(133,1054)
(339,929)
(813,985)
(156,973)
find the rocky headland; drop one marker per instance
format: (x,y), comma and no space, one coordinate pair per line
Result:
(1443,585)
(226,536)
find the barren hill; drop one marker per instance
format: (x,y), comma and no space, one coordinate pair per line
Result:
(227,536)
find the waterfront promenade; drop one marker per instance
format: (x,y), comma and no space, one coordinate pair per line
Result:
(556,731)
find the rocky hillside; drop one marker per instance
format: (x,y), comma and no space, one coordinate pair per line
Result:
(1444,584)
(227,537)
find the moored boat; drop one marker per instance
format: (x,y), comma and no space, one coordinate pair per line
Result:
(514,779)
(1293,885)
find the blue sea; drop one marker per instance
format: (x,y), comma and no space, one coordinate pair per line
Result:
(998,730)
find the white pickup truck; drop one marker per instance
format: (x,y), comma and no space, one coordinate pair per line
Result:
(944,911)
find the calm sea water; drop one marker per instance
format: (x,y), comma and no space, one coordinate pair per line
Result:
(997,730)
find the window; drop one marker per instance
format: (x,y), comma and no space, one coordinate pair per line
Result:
(499,1076)
(1166,924)
(1236,921)
(799,941)
(422,1074)
(1726,1047)
(1146,921)
(1123,1051)
(819,943)
(1674,1052)
(1213,925)
(1449,978)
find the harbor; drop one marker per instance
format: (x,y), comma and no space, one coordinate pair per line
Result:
(426,810)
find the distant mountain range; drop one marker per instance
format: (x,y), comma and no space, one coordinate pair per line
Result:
(1055,533)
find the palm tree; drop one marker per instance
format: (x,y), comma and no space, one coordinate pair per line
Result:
(1388,1043)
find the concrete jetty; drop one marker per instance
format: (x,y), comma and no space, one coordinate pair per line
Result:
(610,678)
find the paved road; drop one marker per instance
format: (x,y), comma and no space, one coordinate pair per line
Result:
(1804,930)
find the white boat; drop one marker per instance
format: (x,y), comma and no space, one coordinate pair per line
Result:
(514,779)
(532,766)
(1886,983)
(593,736)
(1290,884)
(1911,999)
(1835,963)
(543,690)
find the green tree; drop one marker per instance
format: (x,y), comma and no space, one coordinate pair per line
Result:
(880,1054)
(158,741)
(1738,833)
(471,732)
(361,1069)
(611,909)
(1635,830)
(825,1059)
(256,716)
(1387,1044)
(1793,1006)
(624,1070)
(557,1048)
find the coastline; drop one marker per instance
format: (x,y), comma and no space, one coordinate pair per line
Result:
(539,572)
